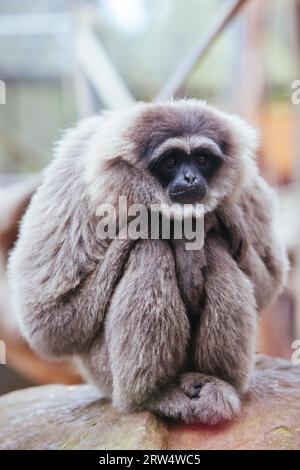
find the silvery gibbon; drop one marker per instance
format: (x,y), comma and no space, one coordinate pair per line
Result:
(155,326)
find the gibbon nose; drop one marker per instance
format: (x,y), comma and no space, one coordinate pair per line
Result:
(189,177)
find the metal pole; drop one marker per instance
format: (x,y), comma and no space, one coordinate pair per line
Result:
(184,69)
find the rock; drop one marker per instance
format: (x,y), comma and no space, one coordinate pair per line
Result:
(269,419)
(74,417)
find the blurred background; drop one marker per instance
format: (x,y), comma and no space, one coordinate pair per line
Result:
(61,61)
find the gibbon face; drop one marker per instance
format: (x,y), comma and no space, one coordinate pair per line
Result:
(197,154)
(179,151)
(186,174)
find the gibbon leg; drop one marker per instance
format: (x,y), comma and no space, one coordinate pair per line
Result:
(226,338)
(147,332)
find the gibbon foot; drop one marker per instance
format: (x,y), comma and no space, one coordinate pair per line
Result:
(214,400)
(172,403)
(198,398)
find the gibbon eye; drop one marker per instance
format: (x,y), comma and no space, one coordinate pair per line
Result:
(171,162)
(202,160)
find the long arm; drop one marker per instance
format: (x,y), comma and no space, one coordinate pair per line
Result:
(266,261)
(253,243)
(59,268)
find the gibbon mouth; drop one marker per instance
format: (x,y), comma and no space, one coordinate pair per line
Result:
(187,196)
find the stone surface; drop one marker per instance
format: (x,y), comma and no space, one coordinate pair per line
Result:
(269,419)
(74,417)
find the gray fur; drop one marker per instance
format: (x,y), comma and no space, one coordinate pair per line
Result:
(151,324)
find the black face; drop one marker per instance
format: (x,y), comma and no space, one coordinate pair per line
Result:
(186,176)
